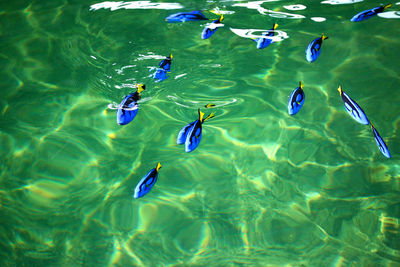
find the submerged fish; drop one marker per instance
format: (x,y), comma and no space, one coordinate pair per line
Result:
(160,75)
(186,16)
(165,64)
(129,107)
(354,110)
(264,42)
(366,14)
(211,29)
(190,135)
(313,49)
(209,105)
(380,143)
(296,100)
(147,182)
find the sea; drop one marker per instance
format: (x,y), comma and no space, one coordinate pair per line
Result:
(263,188)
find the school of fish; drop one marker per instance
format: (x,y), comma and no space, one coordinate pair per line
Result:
(190,135)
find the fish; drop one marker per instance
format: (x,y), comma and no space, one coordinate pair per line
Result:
(165,64)
(209,105)
(296,100)
(380,143)
(129,107)
(186,16)
(160,75)
(366,14)
(264,42)
(190,135)
(354,110)
(147,182)
(211,29)
(313,49)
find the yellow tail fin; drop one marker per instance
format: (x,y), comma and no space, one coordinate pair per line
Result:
(387,6)
(140,87)
(301,85)
(158,166)
(209,116)
(324,36)
(201,115)
(340,89)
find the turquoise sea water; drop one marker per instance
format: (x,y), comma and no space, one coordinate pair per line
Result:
(262,189)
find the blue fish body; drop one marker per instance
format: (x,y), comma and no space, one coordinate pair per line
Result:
(264,42)
(190,135)
(314,49)
(186,16)
(193,136)
(183,133)
(208,31)
(126,111)
(147,182)
(160,75)
(166,64)
(366,14)
(296,100)
(380,143)
(354,110)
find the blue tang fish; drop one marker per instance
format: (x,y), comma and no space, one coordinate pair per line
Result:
(211,29)
(186,16)
(264,42)
(165,64)
(147,182)
(354,110)
(380,143)
(161,72)
(129,107)
(296,100)
(190,135)
(313,49)
(366,14)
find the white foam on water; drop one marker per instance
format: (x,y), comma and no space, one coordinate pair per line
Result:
(340,2)
(218,11)
(257,5)
(318,19)
(250,33)
(134,5)
(213,26)
(180,75)
(295,7)
(390,15)
(114,105)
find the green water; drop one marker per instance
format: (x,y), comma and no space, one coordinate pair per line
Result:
(262,189)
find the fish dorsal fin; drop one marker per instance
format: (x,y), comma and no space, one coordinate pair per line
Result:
(275,26)
(340,90)
(301,85)
(201,115)
(158,166)
(209,116)
(324,37)
(141,87)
